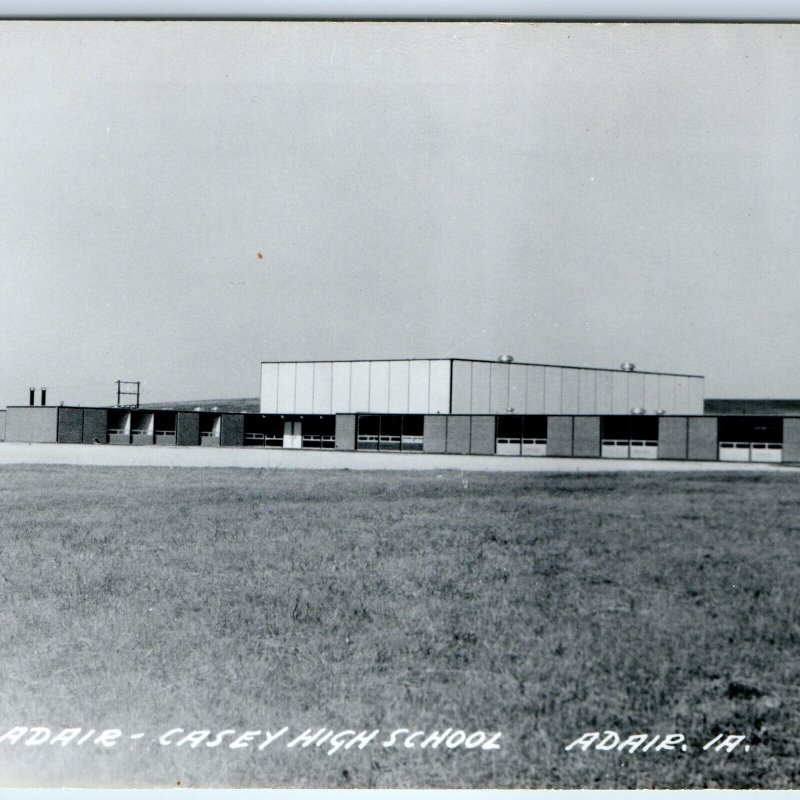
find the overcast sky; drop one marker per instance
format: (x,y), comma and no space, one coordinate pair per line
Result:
(567,193)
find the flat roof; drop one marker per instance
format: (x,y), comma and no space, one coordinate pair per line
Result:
(483,361)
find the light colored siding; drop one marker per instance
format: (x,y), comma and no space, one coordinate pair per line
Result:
(345,437)
(31,424)
(440,387)
(287,374)
(552,390)
(619,393)
(462,387)
(304,389)
(498,388)
(379,387)
(418,386)
(269,389)
(322,387)
(666,393)
(477,387)
(697,395)
(398,387)
(604,399)
(636,391)
(481,388)
(359,386)
(586,393)
(569,391)
(535,390)
(517,389)
(651,399)
(681,395)
(340,390)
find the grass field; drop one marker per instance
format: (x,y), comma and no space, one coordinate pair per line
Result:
(539,606)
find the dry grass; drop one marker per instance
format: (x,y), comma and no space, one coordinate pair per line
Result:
(541,606)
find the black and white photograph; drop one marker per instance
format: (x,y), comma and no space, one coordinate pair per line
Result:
(399,405)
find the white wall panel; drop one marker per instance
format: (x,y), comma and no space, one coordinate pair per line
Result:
(552,390)
(286,384)
(498,388)
(636,391)
(462,387)
(340,391)
(379,387)
(440,387)
(304,389)
(666,393)
(418,386)
(481,387)
(269,389)
(586,391)
(619,393)
(322,387)
(534,403)
(398,387)
(681,395)
(651,398)
(569,391)
(697,395)
(604,392)
(517,387)
(359,386)
(478,387)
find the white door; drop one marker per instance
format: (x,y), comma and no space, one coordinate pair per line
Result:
(761,451)
(292,435)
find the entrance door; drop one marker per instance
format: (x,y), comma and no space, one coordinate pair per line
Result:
(292,435)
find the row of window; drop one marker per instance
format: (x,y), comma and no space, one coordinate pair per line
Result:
(390,432)
(739,438)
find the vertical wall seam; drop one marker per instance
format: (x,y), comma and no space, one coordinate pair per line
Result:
(350,388)
(525,394)
(408,391)
(543,397)
(429,386)
(450,404)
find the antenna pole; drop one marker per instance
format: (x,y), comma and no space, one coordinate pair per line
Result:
(128,389)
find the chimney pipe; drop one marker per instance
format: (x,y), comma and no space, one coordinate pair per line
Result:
(44,395)
(31,396)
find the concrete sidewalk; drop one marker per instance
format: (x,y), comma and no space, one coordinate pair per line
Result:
(258,458)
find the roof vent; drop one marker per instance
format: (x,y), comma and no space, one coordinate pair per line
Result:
(638,411)
(505,359)
(627,367)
